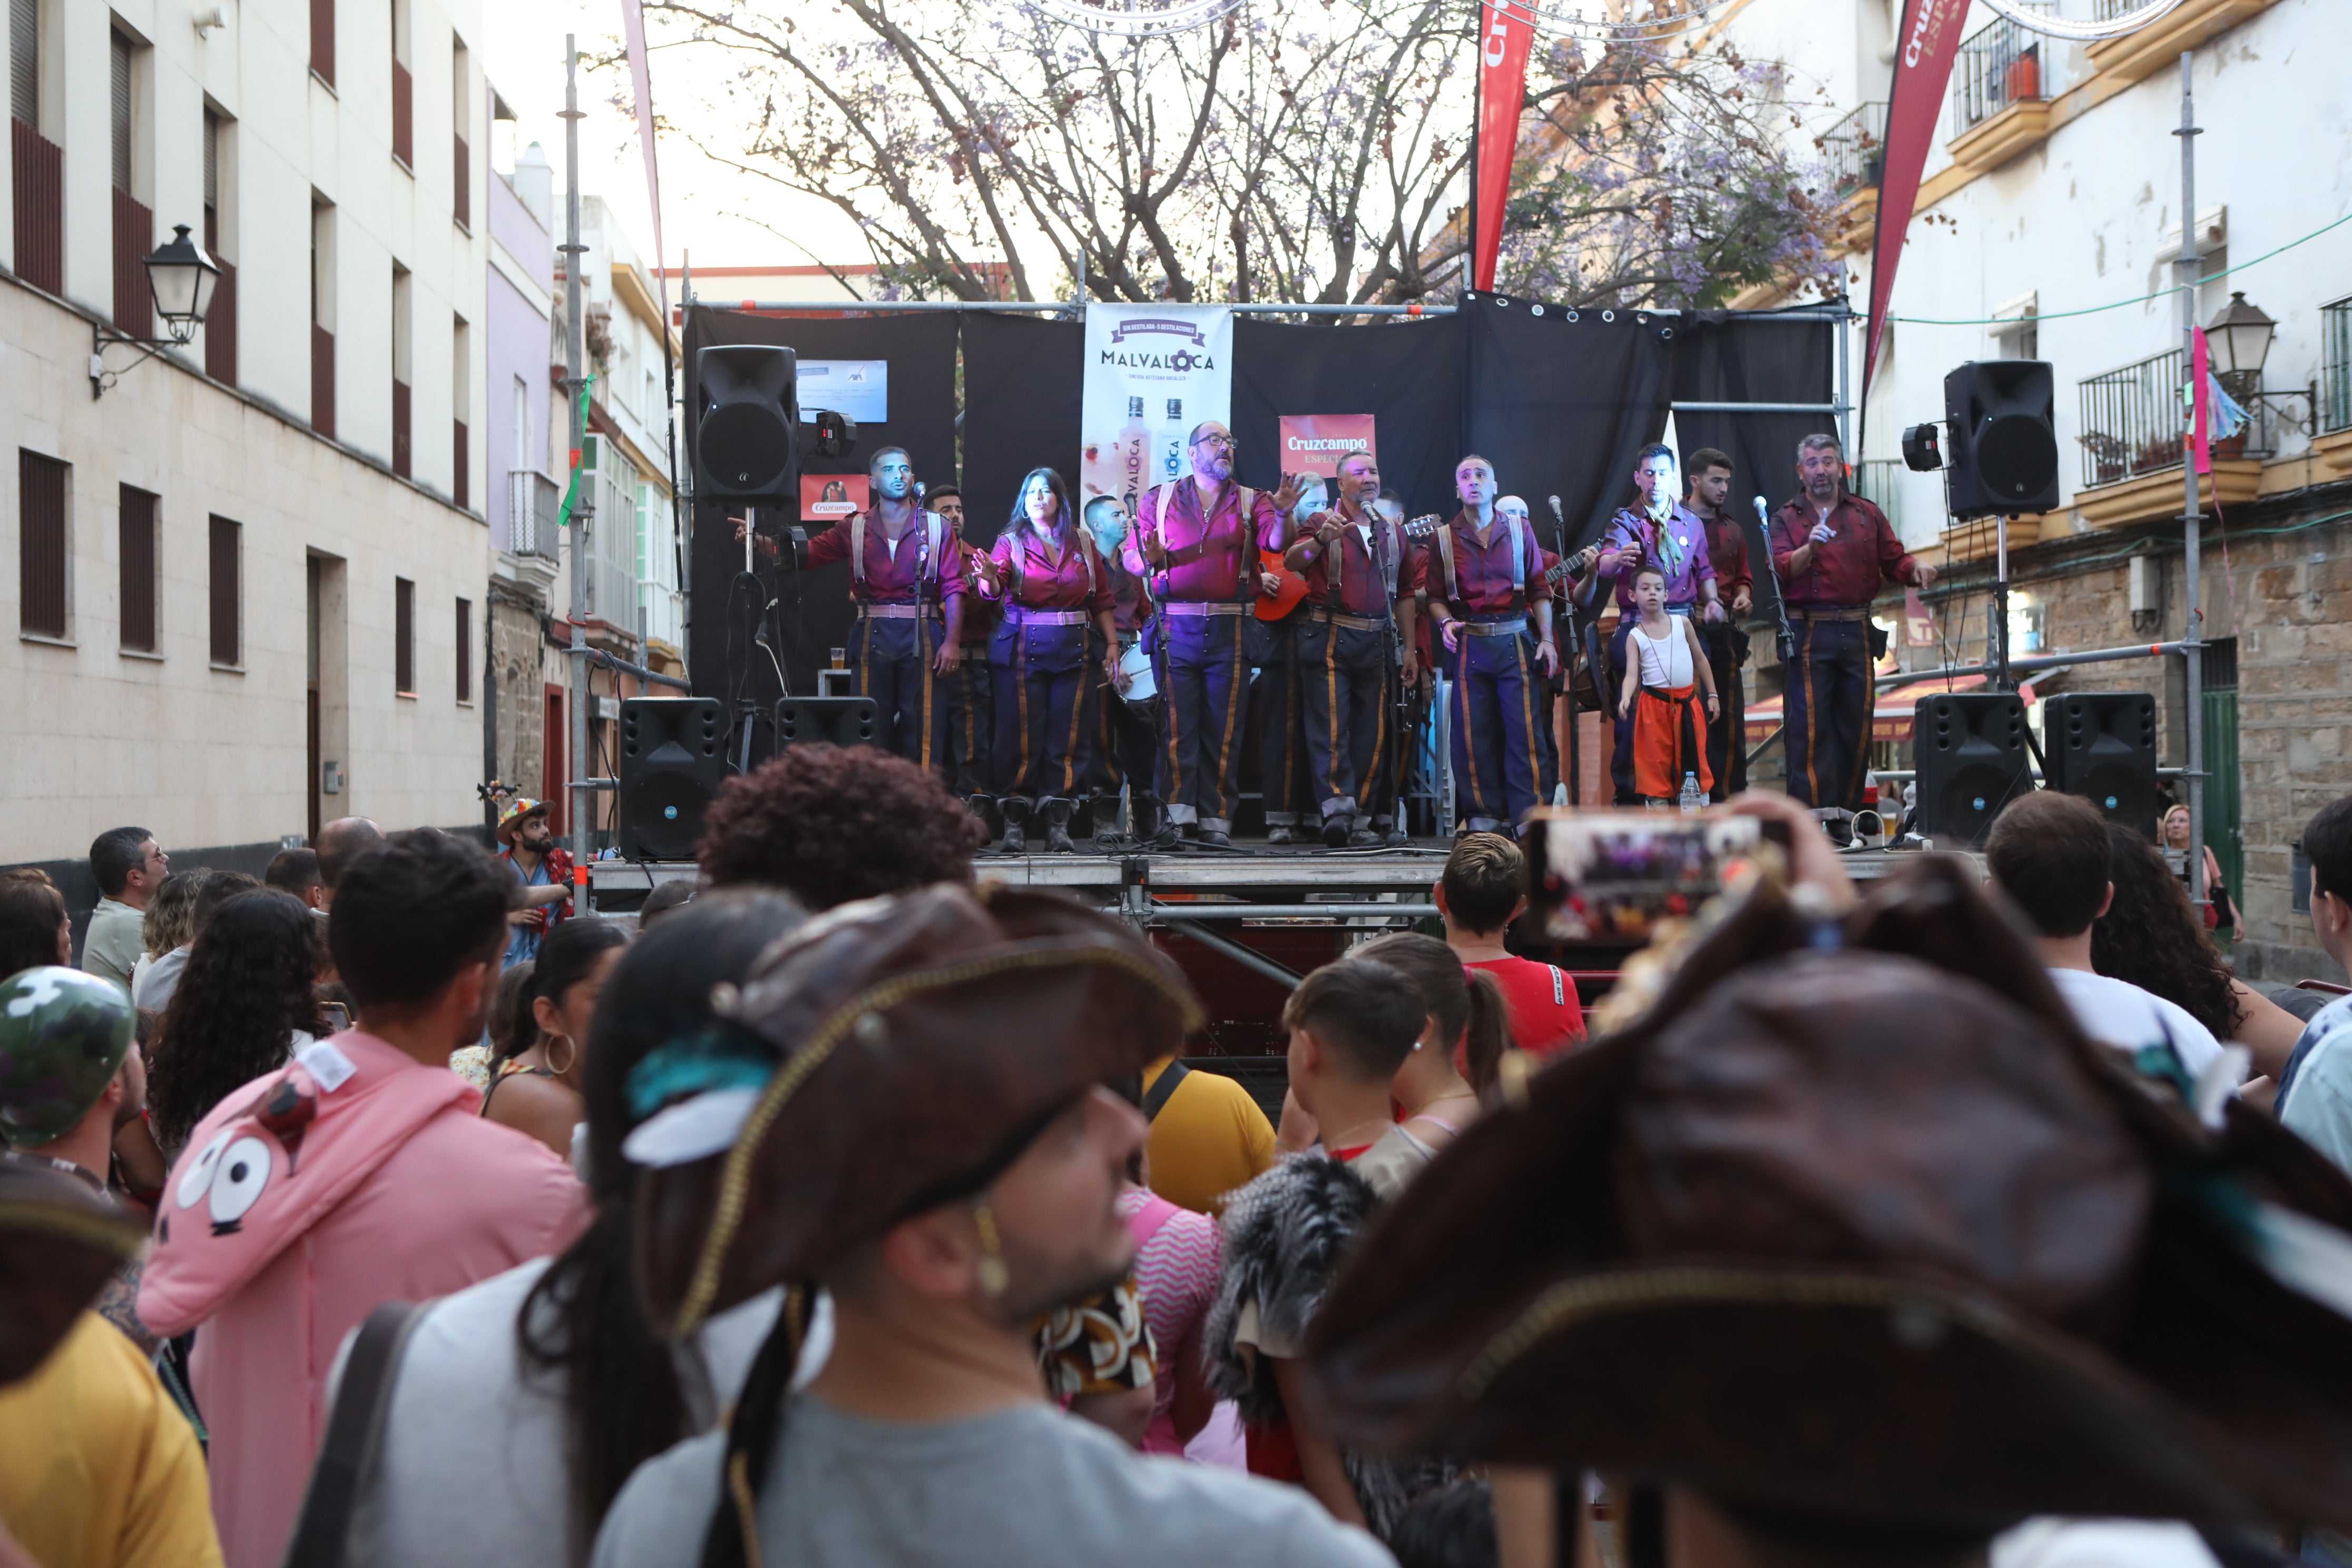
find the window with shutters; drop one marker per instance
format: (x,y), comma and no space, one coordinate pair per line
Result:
(404,637)
(461,82)
(136,552)
(322,40)
(43,555)
(226,583)
(403,371)
(37,163)
(403,91)
(461,411)
(322,317)
(134,221)
(464,651)
(220,321)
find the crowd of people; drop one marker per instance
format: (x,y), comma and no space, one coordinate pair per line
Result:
(838,1207)
(1091,663)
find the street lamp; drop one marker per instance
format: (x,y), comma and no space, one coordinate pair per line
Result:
(180,277)
(2241,336)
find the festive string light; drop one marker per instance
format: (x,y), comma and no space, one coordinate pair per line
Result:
(2083,32)
(1136,21)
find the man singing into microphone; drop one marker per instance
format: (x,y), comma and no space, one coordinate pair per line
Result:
(1483,574)
(1196,542)
(907,576)
(1832,550)
(1663,534)
(1358,606)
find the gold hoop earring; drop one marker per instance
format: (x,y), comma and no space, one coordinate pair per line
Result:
(572,1054)
(993,1276)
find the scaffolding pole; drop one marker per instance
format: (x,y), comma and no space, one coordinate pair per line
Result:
(2192,638)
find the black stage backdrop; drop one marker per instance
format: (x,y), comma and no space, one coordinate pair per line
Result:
(1022,380)
(1724,356)
(1560,404)
(1407,374)
(814,612)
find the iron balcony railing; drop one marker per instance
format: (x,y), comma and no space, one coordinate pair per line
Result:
(532,501)
(2336,365)
(1855,150)
(1999,65)
(2132,423)
(1880,483)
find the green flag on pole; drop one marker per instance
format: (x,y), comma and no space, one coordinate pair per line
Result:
(572,491)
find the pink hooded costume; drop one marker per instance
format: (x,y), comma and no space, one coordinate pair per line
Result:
(351,1178)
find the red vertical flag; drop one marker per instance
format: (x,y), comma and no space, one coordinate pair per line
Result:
(1503,47)
(1924,54)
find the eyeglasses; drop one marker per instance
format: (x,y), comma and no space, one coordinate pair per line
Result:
(1226,442)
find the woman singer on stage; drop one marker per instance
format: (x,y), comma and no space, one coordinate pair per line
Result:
(1058,603)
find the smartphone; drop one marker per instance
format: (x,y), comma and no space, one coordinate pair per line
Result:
(1611,876)
(337,1016)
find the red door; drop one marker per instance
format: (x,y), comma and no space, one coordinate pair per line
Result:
(554,788)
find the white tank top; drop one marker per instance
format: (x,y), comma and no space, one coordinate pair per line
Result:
(1666,660)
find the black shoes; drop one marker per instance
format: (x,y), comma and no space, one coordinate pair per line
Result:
(1211,840)
(1058,827)
(1335,830)
(1016,828)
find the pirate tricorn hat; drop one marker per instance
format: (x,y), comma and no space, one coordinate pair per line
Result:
(1853,1224)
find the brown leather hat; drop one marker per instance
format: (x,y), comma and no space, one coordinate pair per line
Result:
(1855,1224)
(920,1041)
(59,1243)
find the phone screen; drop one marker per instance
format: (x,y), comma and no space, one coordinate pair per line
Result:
(1611,876)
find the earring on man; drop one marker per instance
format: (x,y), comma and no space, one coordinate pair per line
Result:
(993,1276)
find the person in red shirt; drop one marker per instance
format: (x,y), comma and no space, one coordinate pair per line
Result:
(907,577)
(1196,543)
(1056,591)
(1834,550)
(1126,738)
(1726,642)
(1360,609)
(1483,574)
(1482,892)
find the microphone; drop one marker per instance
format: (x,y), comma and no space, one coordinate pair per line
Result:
(1763,512)
(1558,516)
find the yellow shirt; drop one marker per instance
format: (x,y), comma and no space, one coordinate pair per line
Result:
(98,1467)
(1208,1140)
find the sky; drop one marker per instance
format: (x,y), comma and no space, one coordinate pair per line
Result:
(703,204)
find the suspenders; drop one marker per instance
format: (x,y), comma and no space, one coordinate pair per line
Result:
(1163,494)
(925,562)
(1080,539)
(1387,546)
(1519,547)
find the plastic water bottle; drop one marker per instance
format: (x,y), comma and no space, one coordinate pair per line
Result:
(1694,799)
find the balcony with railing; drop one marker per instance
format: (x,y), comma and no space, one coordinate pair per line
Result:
(1880,483)
(38,165)
(2001,92)
(532,501)
(1853,152)
(2131,436)
(2331,438)
(2157,45)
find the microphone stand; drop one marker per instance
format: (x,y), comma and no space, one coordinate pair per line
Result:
(1574,640)
(1787,640)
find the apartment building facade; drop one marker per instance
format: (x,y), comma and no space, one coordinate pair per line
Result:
(247,573)
(2048,226)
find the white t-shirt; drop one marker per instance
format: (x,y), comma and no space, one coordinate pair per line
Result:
(472,1464)
(2131,1019)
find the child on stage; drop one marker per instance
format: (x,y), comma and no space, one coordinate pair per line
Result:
(1665,660)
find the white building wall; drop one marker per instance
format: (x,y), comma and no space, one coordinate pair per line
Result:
(205,755)
(2084,218)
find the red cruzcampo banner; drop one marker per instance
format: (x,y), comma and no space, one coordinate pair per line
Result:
(829,497)
(1314,443)
(1924,53)
(1503,47)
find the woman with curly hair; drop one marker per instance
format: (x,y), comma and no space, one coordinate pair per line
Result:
(169,926)
(830,824)
(244,1005)
(2150,936)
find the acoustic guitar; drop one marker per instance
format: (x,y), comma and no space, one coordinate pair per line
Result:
(1290,586)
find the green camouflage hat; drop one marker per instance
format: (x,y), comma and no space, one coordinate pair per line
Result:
(63,1036)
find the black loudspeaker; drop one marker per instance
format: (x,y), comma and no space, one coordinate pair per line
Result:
(672,757)
(2100,745)
(2004,450)
(746,434)
(1968,750)
(835,721)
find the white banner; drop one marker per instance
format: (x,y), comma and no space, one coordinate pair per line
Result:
(1153,372)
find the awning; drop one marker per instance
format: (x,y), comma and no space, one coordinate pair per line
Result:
(1890,720)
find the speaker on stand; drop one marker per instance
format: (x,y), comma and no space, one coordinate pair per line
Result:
(672,756)
(2000,417)
(2100,745)
(830,720)
(1968,759)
